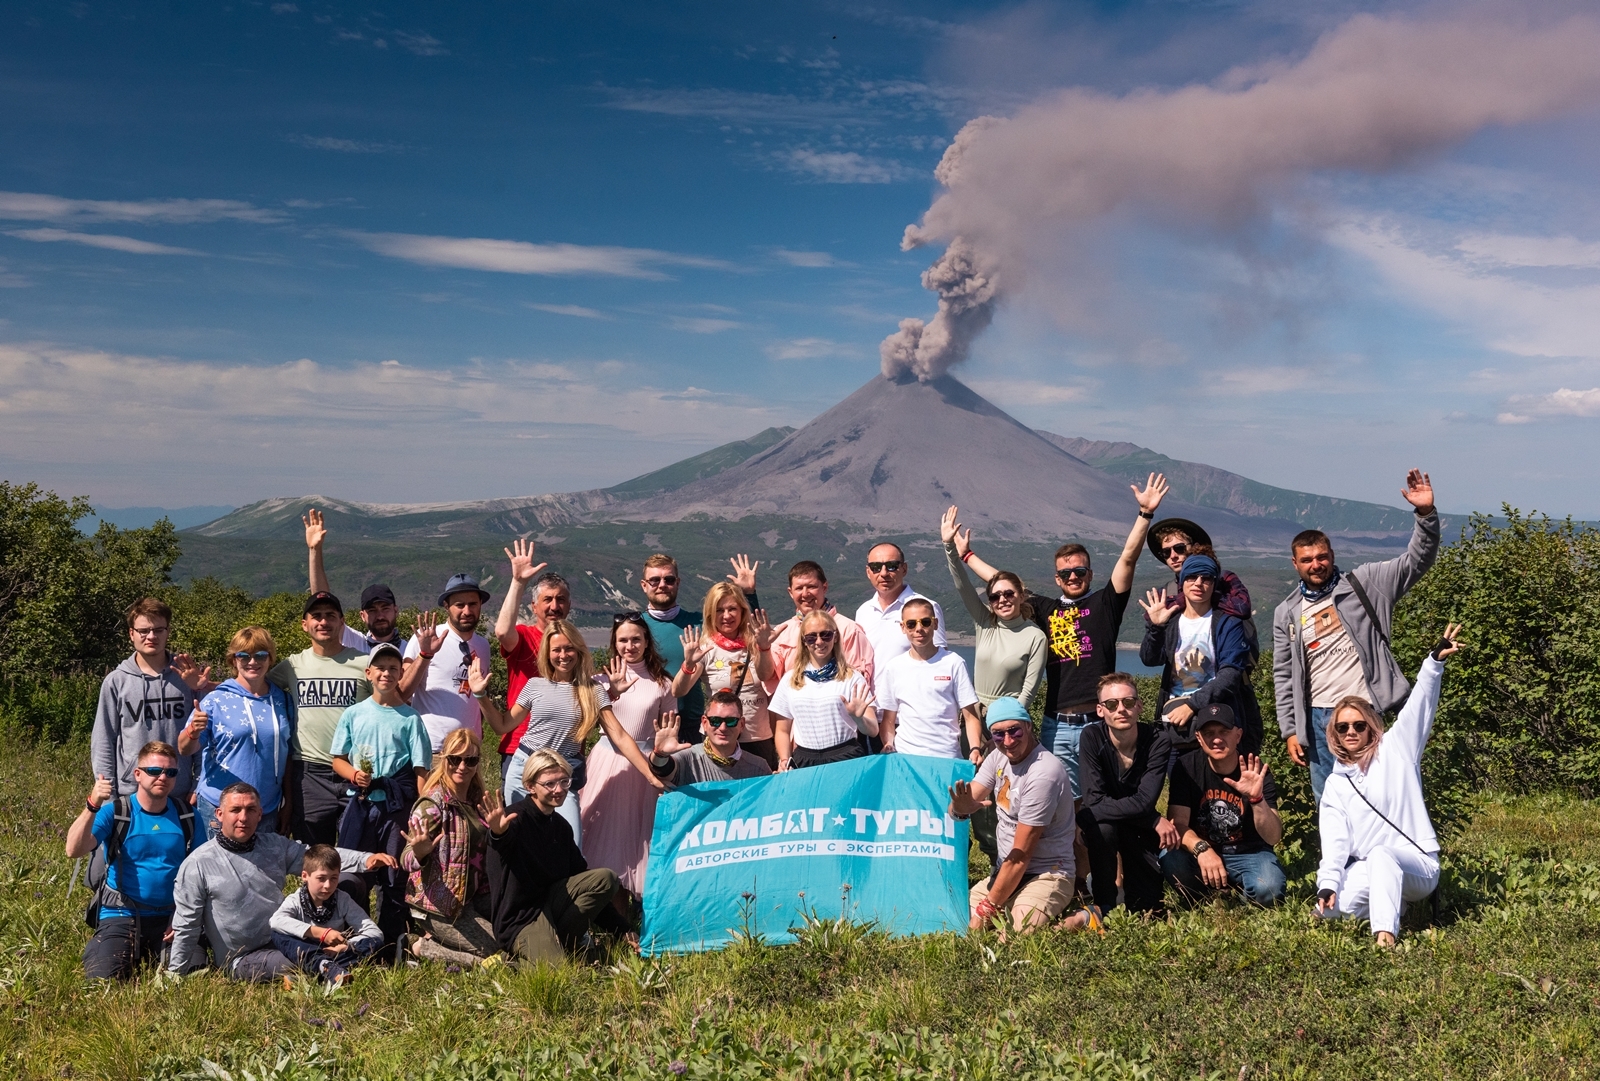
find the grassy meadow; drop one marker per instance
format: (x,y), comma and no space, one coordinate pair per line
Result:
(1508,986)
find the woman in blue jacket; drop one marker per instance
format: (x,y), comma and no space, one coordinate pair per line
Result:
(1204,654)
(242,731)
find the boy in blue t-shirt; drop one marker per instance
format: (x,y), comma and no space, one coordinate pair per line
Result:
(382,748)
(136,905)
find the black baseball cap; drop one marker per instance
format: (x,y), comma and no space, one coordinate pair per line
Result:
(379,592)
(320,598)
(1216,713)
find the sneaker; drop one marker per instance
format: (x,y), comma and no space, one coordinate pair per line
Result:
(495,961)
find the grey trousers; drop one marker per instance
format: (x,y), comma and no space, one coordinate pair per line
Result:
(464,941)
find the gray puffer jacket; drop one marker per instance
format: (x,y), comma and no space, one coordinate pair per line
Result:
(1385,583)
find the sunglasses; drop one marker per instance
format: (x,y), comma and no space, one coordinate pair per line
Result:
(259,655)
(723,722)
(890,565)
(1129,704)
(1358,727)
(1003,595)
(925,621)
(1072,572)
(456,761)
(667,580)
(158,771)
(1007,735)
(817,636)
(554,786)
(1174,549)
(626,617)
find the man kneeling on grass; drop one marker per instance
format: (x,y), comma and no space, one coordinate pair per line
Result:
(543,893)
(1033,802)
(320,928)
(229,888)
(1224,805)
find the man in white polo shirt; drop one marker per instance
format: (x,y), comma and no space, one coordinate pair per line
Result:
(925,693)
(435,679)
(879,615)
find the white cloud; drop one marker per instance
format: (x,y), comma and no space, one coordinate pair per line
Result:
(421,44)
(1499,249)
(1020,392)
(32,206)
(694,325)
(806,348)
(521,257)
(741,107)
(844,167)
(306,426)
(100,240)
(344,146)
(804,258)
(1523,408)
(1516,316)
(568,309)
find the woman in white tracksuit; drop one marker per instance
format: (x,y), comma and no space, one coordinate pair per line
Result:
(1378,845)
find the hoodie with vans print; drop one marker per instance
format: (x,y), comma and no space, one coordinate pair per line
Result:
(134,709)
(246,739)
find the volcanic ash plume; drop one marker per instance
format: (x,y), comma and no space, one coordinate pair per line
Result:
(1376,95)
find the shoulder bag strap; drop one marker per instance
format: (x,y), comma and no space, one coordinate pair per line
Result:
(1385,817)
(1366,606)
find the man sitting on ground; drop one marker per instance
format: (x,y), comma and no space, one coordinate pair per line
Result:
(134,904)
(228,889)
(718,758)
(1224,806)
(543,893)
(1124,766)
(1033,799)
(925,694)
(318,927)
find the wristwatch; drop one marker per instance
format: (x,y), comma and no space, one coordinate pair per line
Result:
(1201,848)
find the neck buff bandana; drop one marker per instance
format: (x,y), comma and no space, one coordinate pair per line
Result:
(1319,594)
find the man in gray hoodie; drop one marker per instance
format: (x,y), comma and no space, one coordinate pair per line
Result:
(229,888)
(146,698)
(1330,637)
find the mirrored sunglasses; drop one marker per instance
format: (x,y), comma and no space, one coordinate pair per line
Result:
(158,771)
(890,565)
(817,636)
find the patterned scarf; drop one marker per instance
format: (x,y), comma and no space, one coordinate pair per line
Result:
(311,913)
(732,645)
(1319,594)
(231,845)
(826,674)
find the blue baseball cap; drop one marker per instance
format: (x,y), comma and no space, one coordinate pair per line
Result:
(1006,708)
(1199,565)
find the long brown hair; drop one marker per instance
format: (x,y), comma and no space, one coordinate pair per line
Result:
(652,656)
(1363,757)
(802,656)
(583,684)
(460,742)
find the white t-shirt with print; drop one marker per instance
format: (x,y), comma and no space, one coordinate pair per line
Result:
(927,697)
(445,700)
(1196,661)
(1335,664)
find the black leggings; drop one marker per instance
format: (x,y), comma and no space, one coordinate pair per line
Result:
(801,757)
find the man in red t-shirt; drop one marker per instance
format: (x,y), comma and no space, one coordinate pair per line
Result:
(519,642)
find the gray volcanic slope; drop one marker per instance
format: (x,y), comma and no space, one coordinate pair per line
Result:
(895,453)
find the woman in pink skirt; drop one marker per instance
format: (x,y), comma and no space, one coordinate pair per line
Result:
(618,803)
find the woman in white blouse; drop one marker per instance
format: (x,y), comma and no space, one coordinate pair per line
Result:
(818,710)
(1378,845)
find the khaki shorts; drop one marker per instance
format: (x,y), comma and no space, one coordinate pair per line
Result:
(1040,901)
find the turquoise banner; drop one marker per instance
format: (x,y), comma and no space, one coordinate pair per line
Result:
(868,837)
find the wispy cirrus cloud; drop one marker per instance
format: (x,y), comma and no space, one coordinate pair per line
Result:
(577,310)
(844,166)
(33,206)
(523,257)
(741,107)
(108,241)
(700,325)
(1499,249)
(813,259)
(808,348)
(1525,408)
(345,146)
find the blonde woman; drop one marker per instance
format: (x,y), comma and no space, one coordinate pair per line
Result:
(563,705)
(1378,846)
(447,885)
(818,710)
(732,651)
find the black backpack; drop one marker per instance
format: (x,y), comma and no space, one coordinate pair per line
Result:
(105,856)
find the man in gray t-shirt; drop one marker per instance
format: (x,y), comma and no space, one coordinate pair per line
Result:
(719,758)
(1032,798)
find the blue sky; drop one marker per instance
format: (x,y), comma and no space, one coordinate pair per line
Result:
(420,253)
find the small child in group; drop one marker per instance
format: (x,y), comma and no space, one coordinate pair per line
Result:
(321,930)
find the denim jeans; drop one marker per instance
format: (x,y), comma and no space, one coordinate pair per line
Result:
(1258,875)
(1318,757)
(1060,735)
(312,959)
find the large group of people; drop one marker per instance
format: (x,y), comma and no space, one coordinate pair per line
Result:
(357,763)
